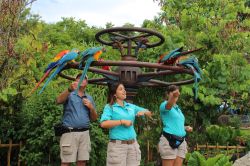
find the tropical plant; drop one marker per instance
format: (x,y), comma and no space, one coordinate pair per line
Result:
(196,159)
(222,135)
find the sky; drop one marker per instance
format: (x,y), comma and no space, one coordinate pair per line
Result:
(97,12)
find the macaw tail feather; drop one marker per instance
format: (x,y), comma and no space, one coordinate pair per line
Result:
(197,78)
(173,54)
(190,51)
(41,80)
(84,73)
(51,77)
(51,66)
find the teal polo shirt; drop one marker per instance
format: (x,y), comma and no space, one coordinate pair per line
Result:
(173,120)
(117,112)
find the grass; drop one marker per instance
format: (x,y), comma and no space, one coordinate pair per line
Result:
(245,132)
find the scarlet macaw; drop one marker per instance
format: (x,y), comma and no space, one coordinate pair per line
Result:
(174,55)
(104,67)
(60,65)
(49,68)
(89,56)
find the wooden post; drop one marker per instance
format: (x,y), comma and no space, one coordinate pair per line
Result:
(148,150)
(217,149)
(227,149)
(19,160)
(197,147)
(207,151)
(9,151)
(237,152)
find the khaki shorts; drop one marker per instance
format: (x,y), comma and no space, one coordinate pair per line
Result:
(123,154)
(75,146)
(167,152)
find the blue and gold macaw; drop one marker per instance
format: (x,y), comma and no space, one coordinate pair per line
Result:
(89,55)
(192,63)
(61,64)
(49,68)
(174,56)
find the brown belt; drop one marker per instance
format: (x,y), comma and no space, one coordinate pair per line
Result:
(123,141)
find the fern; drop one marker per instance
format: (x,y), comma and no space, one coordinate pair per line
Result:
(196,159)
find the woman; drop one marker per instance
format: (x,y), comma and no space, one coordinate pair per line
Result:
(119,116)
(172,145)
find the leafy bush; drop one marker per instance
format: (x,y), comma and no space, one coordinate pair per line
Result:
(235,122)
(196,159)
(222,135)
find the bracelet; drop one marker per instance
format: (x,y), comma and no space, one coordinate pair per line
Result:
(70,90)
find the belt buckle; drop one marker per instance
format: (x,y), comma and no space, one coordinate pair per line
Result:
(130,141)
(70,129)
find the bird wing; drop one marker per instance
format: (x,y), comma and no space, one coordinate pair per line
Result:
(49,68)
(60,55)
(174,52)
(59,68)
(61,63)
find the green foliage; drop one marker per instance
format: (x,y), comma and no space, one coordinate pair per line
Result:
(235,122)
(222,135)
(36,128)
(99,141)
(196,159)
(7,93)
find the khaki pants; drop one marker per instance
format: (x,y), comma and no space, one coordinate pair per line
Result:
(75,146)
(123,154)
(167,152)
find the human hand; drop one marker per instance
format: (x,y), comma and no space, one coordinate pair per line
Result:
(176,93)
(88,104)
(147,113)
(188,128)
(141,113)
(126,122)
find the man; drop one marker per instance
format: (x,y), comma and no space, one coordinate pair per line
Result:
(79,109)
